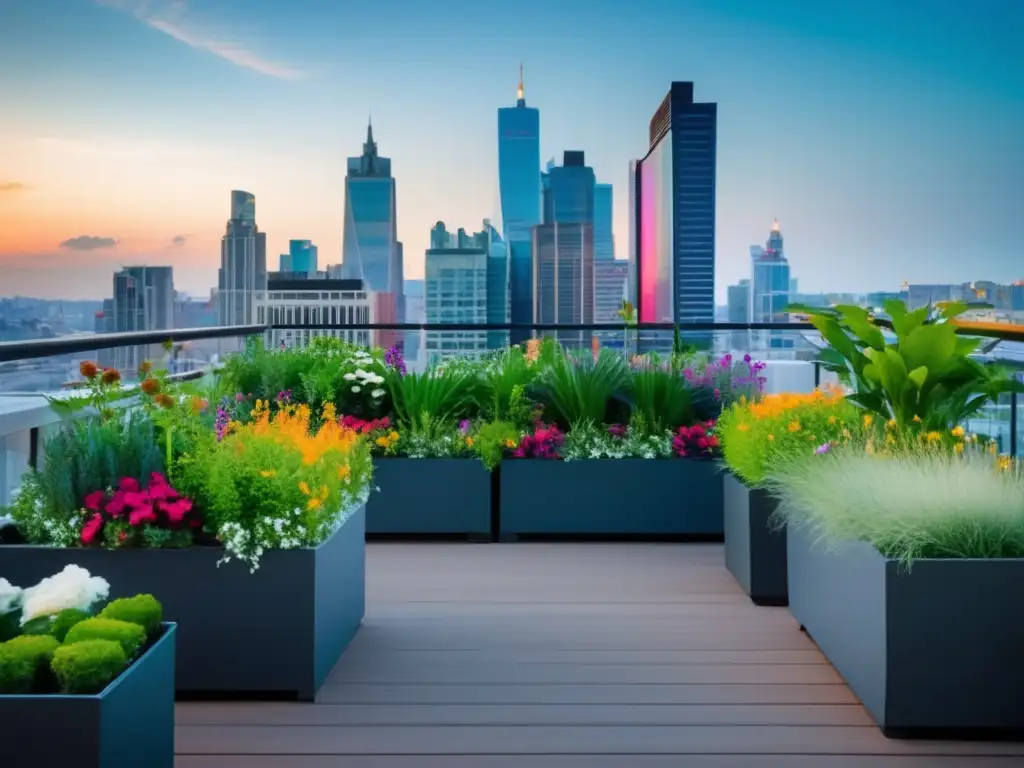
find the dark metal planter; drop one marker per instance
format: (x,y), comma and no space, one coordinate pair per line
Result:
(755,554)
(430,497)
(611,498)
(127,725)
(275,633)
(935,651)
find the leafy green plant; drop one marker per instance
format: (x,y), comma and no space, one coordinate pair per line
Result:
(925,376)
(509,372)
(144,610)
(130,636)
(493,440)
(88,666)
(25,663)
(62,623)
(576,389)
(918,503)
(428,403)
(660,395)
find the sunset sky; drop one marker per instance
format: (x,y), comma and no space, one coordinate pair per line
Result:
(887,137)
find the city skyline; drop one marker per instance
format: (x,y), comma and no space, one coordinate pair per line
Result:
(837,121)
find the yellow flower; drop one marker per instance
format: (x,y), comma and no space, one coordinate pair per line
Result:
(344,471)
(393,436)
(313,504)
(959,447)
(917,419)
(932,437)
(304,487)
(382,441)
(890,439)
(868,419)
(890,424)
(329,412)
(510,443)
(794,426)
(958,431)
(469,442)
(831,419)
(267,473)
(771,438)
(743,427)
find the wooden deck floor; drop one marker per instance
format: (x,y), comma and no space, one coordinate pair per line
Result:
(565,656)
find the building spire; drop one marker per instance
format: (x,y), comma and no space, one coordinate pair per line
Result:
(775,225)
(520,91)
(369,128)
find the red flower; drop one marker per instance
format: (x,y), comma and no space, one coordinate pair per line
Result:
(92,528)
(88,369)
(94,500)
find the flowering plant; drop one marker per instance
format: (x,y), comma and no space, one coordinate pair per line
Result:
(275,483)
(718,384)
(589,441)
(132,516)
(101,386)
(545,442)
(696,441)
(72,588)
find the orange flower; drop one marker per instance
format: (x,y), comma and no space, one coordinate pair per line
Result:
(110,376)
(164,400)
(145,367)
(88,369)
(151,386)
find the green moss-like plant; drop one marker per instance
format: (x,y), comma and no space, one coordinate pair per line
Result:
(129,636)
(88,666)
(65,620)
(25,663)
(144,610)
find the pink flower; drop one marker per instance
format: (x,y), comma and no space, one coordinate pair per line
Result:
(129,484)
(115,507)
(94,500)
(136,499)
(91,529)
(176,510)
(141,515)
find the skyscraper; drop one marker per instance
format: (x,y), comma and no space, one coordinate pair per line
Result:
(370,251)
(302,257)
(143,300)
(675,210)
(243,262)
(497,286)
(739,312)
(604,240)
(456,291)
(519,187)
(769,288)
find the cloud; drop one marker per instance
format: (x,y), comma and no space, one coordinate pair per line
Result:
(12,186)
(172,17)
(88,243)
(178,240)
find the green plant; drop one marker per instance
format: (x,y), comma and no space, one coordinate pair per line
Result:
(918,503)
(88,666)
(578,388)
(65,620)
(925,376)
(428,403)
(130,636)
(25,663)
(659,394)
(102,387)
(493,439)
(144,610)
(502,377)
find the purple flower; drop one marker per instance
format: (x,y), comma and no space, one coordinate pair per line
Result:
(284,396)
(393,359)
(617,430)
(221,424)
(464,426)
(823,448)
(239,397)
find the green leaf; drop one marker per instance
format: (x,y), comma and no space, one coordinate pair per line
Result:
(903,322)
(919,376)
(933,346)
(953,309)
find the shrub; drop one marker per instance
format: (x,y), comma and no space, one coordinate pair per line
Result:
(920,503)
(579,388)
(65,620)
(144,610)
(129,636)
(25,663)
(88,666)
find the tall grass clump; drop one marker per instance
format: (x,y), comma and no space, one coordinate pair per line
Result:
(919,503)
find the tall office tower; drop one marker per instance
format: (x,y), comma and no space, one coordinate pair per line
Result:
(519,189)
(370,251)
(456,292)
(497,286)
(739,312)
(243,262)
(675,210)
(301,257)
(563,249)
(769,288)
(604,239)
(610,279)
(143,300)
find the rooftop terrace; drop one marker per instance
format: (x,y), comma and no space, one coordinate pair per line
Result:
(566,655)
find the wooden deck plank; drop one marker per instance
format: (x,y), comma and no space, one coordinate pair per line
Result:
(564,656)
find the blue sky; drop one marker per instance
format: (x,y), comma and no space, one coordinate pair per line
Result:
(888,138)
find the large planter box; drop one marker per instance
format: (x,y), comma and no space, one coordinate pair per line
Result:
(430,497)
(275,633)
(127,725)
(933,650)
(611,498)
(755,553)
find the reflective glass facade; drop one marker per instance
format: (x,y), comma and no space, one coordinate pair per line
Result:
(604,242)
(655,268)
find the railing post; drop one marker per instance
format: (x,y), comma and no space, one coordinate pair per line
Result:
(817,374)
(1013,423)
(33,448)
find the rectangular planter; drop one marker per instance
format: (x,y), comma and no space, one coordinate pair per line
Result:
(755,554)
(933,650)
(128,724)
(631,498)
(450,497)
(277,632)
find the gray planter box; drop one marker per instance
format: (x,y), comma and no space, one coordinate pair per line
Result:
(755,554)
(933,651)
(128,724)
(611,498)
(276,633)
(424,497)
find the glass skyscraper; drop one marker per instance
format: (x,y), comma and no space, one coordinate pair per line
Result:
(770,287)
(520,191)
(604,240)
(370,249)
(302,257)
(243,262)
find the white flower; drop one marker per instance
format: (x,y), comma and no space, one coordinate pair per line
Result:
(357,388)
(71,588)
(10,596)
(349,377)
(377,393)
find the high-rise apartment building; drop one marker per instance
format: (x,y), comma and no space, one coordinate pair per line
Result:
(519,187)
(739,312)
(456,290)
(143,300)
(769,287)
(243,262)
(370,249)
(604,238)
(674,203)
(291,301)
